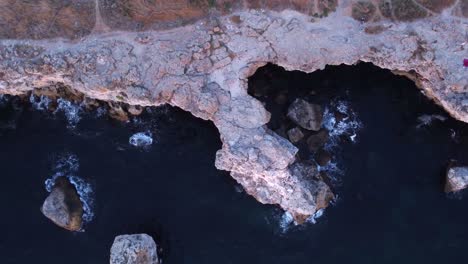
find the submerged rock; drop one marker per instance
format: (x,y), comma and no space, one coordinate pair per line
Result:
(317,140)
(457,179)
(203,68)
(323,157)
(308,116)
(63,205)
(134,249)
(295,134)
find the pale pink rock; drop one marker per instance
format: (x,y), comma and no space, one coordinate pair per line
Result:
(457,179)
(205,72)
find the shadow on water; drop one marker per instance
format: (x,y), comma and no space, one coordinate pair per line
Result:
(391,205)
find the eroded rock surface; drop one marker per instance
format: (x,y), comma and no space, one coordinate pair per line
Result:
(457,179)
(134,249)
(306,115)
(202,67)
(63,205)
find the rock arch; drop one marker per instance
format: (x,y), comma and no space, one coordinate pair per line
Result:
(203,68)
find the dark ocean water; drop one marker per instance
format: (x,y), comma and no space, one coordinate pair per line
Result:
(391,207)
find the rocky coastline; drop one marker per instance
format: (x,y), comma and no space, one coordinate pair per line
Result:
(203,67)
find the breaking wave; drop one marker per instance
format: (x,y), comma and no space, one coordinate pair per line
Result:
(346,126)
(86,194)
(313,219)
(285,222)
(70,110)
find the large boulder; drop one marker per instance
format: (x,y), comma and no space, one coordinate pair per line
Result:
(134,249)
(63,205)
(457,179)
(306,115)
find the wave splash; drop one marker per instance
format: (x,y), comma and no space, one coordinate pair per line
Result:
(68,166)
(141,139)
(341,122)
(70,110)
(348,125)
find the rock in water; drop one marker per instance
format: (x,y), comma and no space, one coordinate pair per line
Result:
(134,249)
(317,141)
(295,134)
(63,205)
(457,179)
(306,115)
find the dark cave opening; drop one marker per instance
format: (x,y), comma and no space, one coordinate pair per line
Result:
(278,89)
(388,174)
(389,180)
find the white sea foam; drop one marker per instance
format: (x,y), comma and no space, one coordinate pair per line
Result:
(427,120)
(349,127)
(67,166)
(141,139)
(238,188)
(286,221)
(333,171)
(71,111)
(39,103)
(4,99)
(86,193)
(313,219)
(101,111)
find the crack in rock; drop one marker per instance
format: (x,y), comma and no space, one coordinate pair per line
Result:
(204,69)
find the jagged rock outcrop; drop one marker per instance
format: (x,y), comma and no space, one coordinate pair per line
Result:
(457,179)
(134,249)
(142,54)
(63,205)
(306,115)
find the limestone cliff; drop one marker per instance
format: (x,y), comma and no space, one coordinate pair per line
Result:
(198,54)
